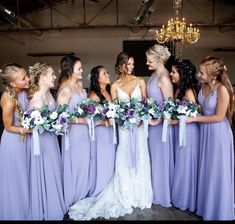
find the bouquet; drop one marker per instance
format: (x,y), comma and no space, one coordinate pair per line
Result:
(155,111)
(187,108)
(88,109)
(109,111)
(60,120)
(128,113)
(38,119)
(182,110)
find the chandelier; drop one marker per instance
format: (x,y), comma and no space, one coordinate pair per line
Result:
(177,30)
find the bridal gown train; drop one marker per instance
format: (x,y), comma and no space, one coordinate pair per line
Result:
(129,187)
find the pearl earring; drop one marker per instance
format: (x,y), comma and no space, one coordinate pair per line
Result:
(213,82)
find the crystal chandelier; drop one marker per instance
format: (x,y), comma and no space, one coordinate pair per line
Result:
(177,30)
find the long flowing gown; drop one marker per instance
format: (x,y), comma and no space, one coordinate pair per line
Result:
(216,165)
(184,189)
(76,159)
(129,187)
(46,183)
(14,172)
(161,153)
(102,159)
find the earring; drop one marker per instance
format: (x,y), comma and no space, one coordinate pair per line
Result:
(213,82)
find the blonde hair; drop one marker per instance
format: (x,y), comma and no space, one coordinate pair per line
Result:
(215,67)
(35,72)
(159,51)
(7,75)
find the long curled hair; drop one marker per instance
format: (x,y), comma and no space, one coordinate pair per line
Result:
(6,77)
(67,65)
(35,72)
(215,67)
(94,84)
(122,61)
(188,80)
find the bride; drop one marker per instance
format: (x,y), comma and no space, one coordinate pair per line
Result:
(130,187)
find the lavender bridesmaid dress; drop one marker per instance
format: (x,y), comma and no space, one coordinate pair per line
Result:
(102,159)
(14,172)
(76,159)
(161,153)
(46,183)
(184,190)
(216,165)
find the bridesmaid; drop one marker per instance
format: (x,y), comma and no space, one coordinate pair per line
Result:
(160,88)
(184,190)
(216,159)
(103,148)
(46,186)
(76,159)
(14,148)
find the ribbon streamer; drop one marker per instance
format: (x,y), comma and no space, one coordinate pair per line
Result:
(182,130)
(133,148)
(146,128)
(91,126)
(66,141)
(164,130)
(114,132)
(36,146)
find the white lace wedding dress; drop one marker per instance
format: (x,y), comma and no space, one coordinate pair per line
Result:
(128,188)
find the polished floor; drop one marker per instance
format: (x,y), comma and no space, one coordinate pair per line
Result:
(157,213)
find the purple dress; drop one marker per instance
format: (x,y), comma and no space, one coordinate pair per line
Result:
(76,159)
(102,159)
(161,153)
(46,183)
(216,165)
(14,172)
(184,190)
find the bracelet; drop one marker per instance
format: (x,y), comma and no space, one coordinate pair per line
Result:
(21,131)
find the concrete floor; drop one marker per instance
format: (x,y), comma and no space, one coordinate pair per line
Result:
(157,213)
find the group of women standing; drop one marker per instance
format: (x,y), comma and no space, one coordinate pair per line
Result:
(100,178)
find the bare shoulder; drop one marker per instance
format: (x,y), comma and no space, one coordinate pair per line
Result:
(65,91)
(222,90)
(7,101)
(164,78)
(141,80)
(189,95)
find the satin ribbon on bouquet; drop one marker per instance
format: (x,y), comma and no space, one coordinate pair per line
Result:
(134,155)
(146,128)
(114,132)
(91,126)
(164,130)
(36,145)
(66,141)
(182,130)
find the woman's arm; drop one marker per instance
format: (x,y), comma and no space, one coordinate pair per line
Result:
(8,109)
(221,109)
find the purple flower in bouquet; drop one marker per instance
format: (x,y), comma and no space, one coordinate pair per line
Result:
(130,113)
(89,109)
(63,120)
(183,103)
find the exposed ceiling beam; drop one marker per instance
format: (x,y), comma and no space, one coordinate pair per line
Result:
(123,26)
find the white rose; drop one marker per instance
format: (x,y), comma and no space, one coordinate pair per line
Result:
(53,115)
